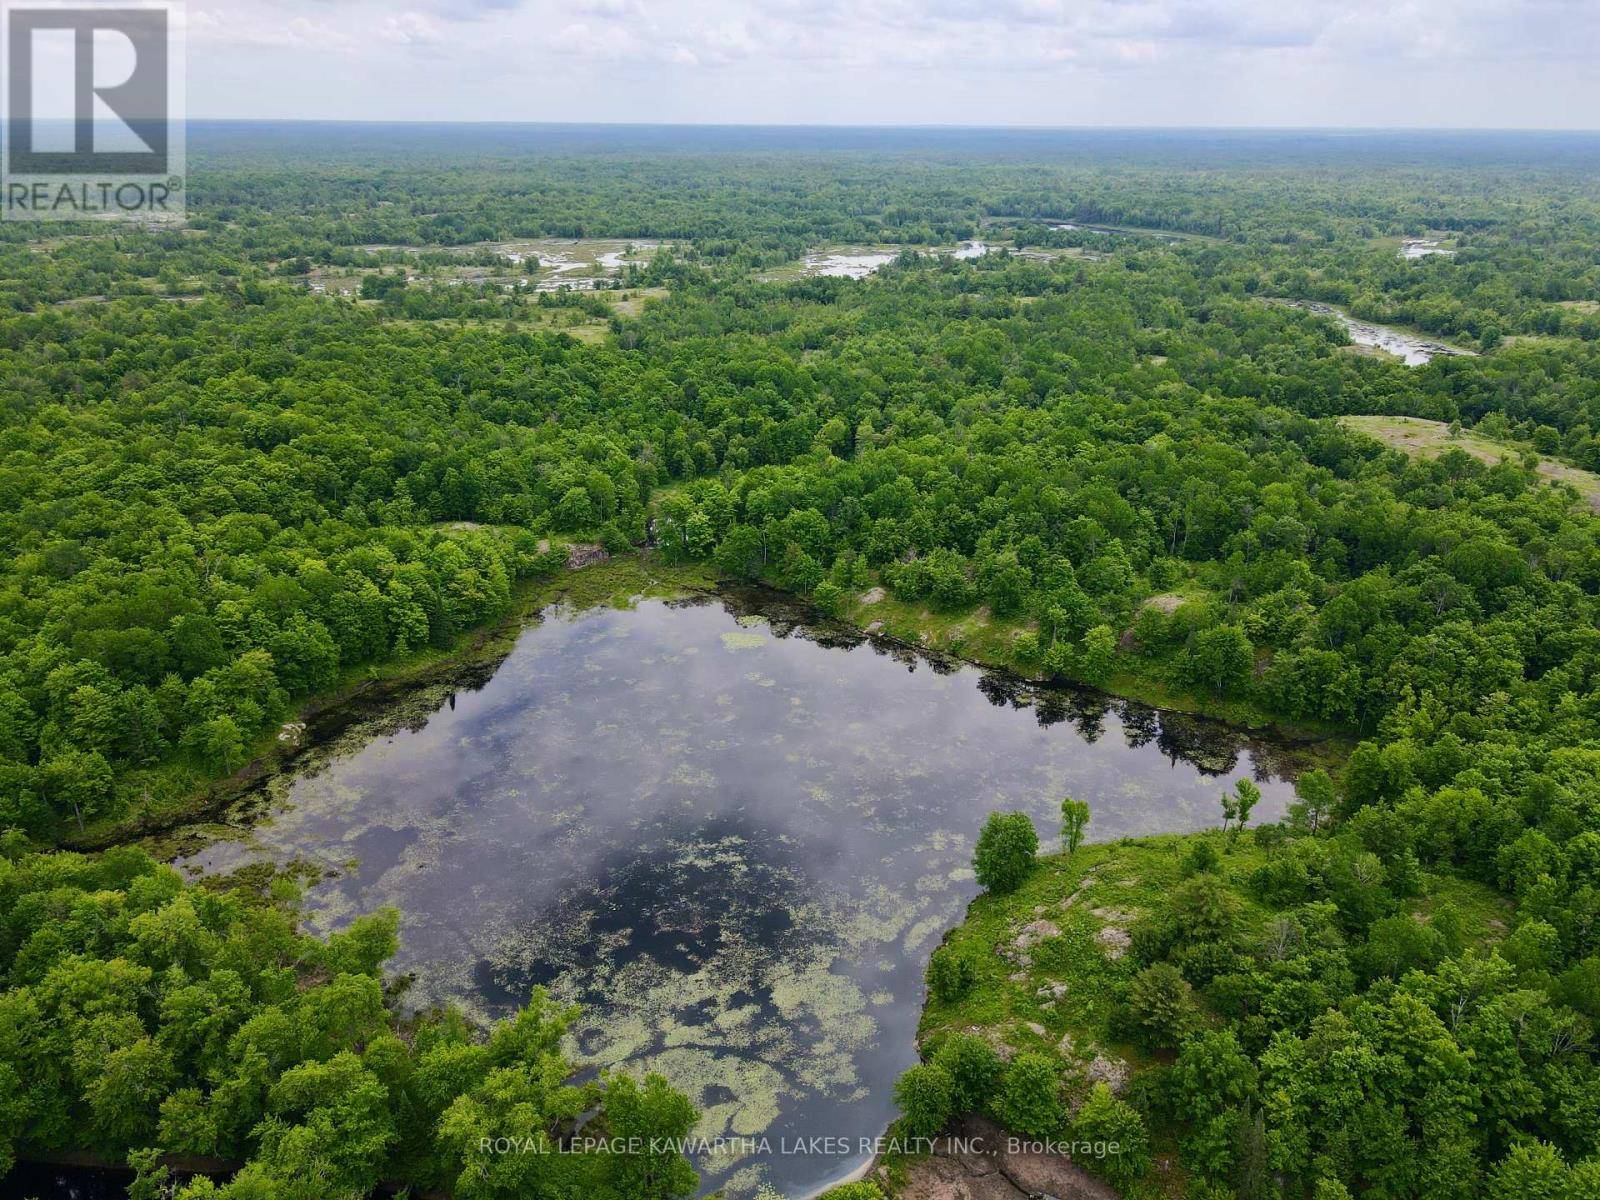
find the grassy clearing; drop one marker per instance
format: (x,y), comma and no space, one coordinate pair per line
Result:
(1429,439)
(620,582)
(546,262)
(980,637)
(1109,885)
(976,634)
(631,303)
(1537,339)
(625,304)
(996,223)
(572,321)
(1486,913)
(1005,1002)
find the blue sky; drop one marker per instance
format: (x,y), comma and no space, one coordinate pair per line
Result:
(1475,63)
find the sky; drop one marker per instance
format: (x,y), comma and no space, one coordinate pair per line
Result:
(1351,63)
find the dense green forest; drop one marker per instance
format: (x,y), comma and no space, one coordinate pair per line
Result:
(221,493)
(140,1012)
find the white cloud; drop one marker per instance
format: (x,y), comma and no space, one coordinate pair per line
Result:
(610,8)
(978,61)
(245,26)
(411,28)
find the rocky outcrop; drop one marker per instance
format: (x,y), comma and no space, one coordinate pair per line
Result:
(580,555)
(981,1161)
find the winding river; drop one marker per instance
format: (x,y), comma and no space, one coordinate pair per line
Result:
(733,839)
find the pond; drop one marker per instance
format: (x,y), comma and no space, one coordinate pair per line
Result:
(858,263)
(732,838)
(1415,248)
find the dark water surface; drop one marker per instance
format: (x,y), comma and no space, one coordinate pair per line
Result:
(733,841)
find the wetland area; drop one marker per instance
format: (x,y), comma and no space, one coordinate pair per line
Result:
(1411,347)
(732,837)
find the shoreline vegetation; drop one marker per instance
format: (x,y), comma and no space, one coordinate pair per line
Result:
(383,692)
(477,653)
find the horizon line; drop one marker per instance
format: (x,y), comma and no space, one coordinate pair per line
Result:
(923,127)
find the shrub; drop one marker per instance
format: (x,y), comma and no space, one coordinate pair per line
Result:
(1161,1006)
(1532,946)
(1097,655)
(1202,857)
(1201,962)
(1212,1075)
(1399,944)
(1284,879)
(1025,650)
(613,539)
(926,1098)
(1029,1102)
(1206,907)
(1579,986)
(1058,660)
(1005,852)
(1219,659)
(862,1189)
(1104,1118)
(1074,820)
(950,974)
(828,597)
(974,1069)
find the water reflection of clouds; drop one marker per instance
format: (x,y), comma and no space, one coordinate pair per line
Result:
(735,843)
